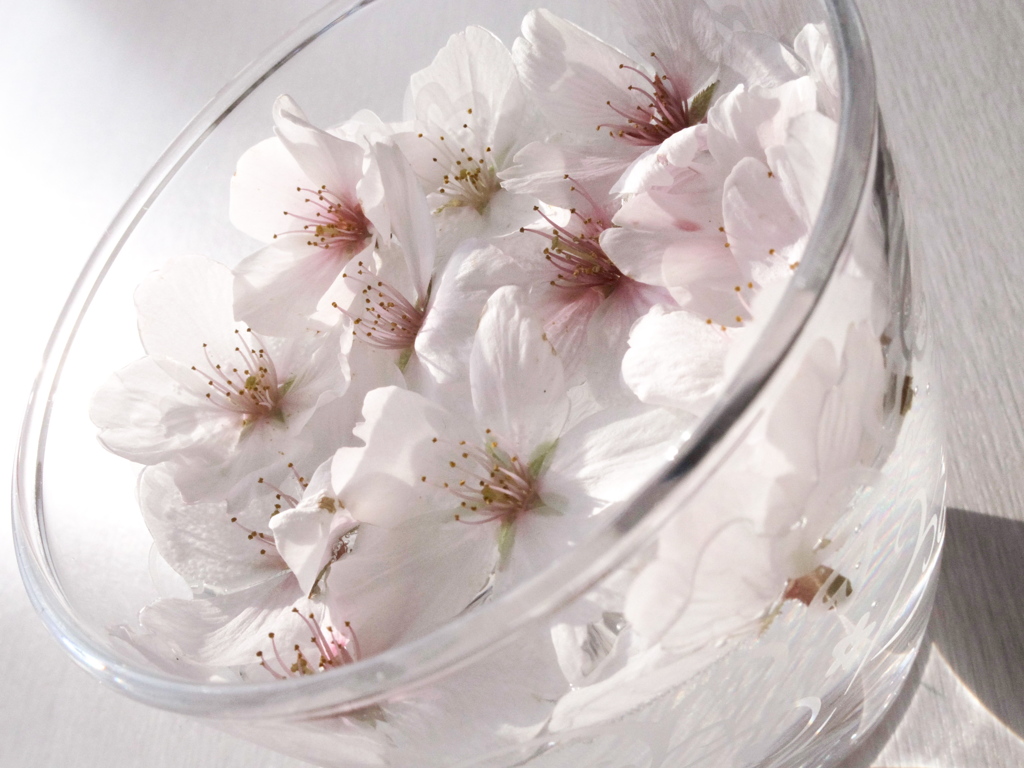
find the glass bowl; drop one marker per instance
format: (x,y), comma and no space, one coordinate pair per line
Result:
(775,629)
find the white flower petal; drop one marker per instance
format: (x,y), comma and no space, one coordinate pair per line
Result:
(208,543)
(276,292)
(380,483)
(517,379)
(325,159)
(229,629)
(571,73)
(409,215)
(399,583)
(612,454)
(676,360)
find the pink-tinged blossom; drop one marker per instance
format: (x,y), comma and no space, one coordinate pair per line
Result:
(510,466)
(734,217)
(214,400)
(617,107)
(316,200)
(586,303)
(828,427)
(270,630)
(399,305)
(726,560)
(469,115)
(384,295)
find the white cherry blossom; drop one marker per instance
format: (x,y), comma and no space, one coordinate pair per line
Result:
(316,199)
(618,108)
(469,115)
(214,400)
(735,217)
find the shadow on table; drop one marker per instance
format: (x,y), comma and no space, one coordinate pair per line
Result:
(977,624)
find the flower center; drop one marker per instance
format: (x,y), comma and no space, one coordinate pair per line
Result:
(331,646)
(384,318)
(249,385)
(575,250)
(468,178)
(330,221)
(489,483)
(661,113)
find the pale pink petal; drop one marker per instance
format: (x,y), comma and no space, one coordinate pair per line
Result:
(474,71)
(611,455)
(517,379)
(310,535)
(263,188)
(676,360)
(409,215)
(143,414)
(758,217)
(185,305)
(209,543)
(814,46)
(229,629)
(458,298)
(682,33)
(572,74)
(323,158)
(763,61)
(803,162)
(277,291)
(540,169)
(656,166)
(406,438)
(399,583)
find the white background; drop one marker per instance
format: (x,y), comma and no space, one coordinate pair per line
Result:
(93,90)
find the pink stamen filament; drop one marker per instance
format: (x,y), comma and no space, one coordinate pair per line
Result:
(330,645)
(336,221)
(579,259)
(263,538)
(664,115)
(252,390)
(388,320)
(494,485)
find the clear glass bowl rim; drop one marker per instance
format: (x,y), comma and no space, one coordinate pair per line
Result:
(471,636)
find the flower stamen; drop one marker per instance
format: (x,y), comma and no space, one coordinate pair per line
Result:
(647,125)
(250,388)
(334,222)
(331,647)
(387,320)
(576,254)
(470,180)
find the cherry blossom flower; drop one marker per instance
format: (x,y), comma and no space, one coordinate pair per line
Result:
(248,614)
(828,426)
(735,216)
(586,303)
(470,115)
(213,399)
(617,107)
(316,199)
(737,549)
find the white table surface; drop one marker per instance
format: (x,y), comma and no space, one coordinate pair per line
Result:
(94,89)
